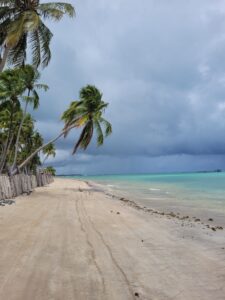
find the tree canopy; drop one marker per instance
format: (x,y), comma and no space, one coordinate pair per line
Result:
(22,27)
(23,31)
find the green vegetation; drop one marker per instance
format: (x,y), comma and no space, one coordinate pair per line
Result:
(86,113)
(22,25)
(49,150)
(51,170)
(23,31)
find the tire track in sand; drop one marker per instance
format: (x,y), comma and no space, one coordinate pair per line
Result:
(91,247)
(109,250)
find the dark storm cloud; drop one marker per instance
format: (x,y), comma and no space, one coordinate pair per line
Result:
(160,65)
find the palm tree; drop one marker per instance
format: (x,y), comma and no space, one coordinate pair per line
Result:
(30,76)
(33,142)
(11,87)
(21,24)
(49,150)
(30,140)
(50,170)
(85,113)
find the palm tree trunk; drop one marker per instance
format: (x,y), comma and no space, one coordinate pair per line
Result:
(18,134)
(44,160)
(27,160)
(4,58)
(1,150)
(8,141)
(8,145)
(2,162)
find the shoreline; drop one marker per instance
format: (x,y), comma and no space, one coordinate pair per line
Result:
(69,240)
(163,211)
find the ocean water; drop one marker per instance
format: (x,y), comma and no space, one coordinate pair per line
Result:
(200,193)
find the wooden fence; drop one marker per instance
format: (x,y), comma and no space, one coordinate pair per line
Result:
(14,186)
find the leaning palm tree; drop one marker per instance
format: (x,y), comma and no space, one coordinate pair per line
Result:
(21,24)
(86,113)
(30,77)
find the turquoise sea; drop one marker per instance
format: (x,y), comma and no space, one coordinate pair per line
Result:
(200,193)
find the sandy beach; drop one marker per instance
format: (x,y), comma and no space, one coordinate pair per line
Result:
(69,241)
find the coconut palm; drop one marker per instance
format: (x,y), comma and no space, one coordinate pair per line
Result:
(50,170)
(8,128)
(33,141)
(49,150)
(21,24)
(86,113)
(30,77)
(11,87)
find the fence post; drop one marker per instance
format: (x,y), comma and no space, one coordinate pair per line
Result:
(18,184)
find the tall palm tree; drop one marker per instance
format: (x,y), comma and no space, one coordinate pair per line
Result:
(21,24)
(86,113)
(30,77)
(30,140)
(11,87)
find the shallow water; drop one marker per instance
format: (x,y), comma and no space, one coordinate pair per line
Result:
(202,194)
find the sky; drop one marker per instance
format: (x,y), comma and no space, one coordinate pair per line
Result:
(161,67)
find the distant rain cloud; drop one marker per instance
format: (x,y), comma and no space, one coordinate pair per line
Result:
(161,67)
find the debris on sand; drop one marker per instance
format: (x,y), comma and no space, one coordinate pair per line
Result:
(6,202)
(219,227)
(169,214)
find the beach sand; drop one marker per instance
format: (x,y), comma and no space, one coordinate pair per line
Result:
(69,241)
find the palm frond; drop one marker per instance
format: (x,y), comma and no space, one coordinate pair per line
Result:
(6,13)
(35,99)
(45,37)
(7,3)
(32,100)
(74,123)
(100,136)
(72,112)
(85,137)
(35,48)
(17,55)
(80,121)
(88,135)
(56,10)
(53,14)
(108,126)
(42,86)
(15,32)
(102,105)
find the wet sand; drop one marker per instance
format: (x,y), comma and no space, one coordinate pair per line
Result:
(69,241)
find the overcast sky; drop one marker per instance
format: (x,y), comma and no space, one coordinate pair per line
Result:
(161,66)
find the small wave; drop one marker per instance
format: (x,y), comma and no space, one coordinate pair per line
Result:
(152,189)
(110,185)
